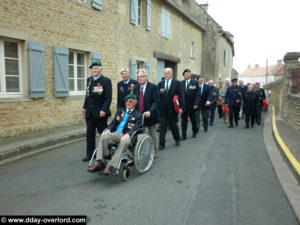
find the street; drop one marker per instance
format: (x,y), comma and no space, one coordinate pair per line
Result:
(223,177)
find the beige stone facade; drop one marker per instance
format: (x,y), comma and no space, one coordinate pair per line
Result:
(79,27)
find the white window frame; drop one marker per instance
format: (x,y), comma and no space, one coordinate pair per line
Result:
(139,13)
(192,52)
(3,92)
(75,77)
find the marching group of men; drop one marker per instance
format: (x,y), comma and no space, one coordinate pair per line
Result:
(160,104)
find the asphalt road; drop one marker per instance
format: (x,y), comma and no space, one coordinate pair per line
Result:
(222,177)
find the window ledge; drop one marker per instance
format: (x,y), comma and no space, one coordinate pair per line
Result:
(15,99)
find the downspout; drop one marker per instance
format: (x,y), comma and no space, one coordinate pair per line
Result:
(202,53)
(217,56)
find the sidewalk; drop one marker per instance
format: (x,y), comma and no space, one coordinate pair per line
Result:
(13,148)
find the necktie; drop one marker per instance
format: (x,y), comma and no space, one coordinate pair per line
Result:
(186,85)
(141,100)
(167,88)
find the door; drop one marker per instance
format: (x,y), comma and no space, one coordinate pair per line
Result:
(160,65)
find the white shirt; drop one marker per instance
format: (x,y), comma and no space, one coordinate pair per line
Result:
(169,83)
(126,82)
(96,78)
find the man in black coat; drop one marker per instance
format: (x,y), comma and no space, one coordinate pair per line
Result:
(262,96)
(126,122)
(168,88)
(148,102)
(205,99)
(233,99)
(125,87)
(192,101)
(244,90)
(251,104)
(213,103)
(96,106)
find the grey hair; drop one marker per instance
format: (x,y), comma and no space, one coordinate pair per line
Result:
(211,81)
(170,69)
(142,70)
(124,70)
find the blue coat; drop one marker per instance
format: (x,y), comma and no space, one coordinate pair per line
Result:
(232,95)
(123,90)
(151,102)
(98,97)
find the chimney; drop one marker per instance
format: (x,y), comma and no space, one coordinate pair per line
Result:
(279,62)
(249,66)
(256,66)
(204,6)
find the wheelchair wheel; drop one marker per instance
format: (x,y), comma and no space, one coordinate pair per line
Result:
(143,153)
(127,173)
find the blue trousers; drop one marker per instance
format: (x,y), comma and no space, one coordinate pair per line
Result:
(212,116)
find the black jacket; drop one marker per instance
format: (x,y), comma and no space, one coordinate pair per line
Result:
(98,97)
(232,95)
(261,95)
(205,96)
(151,102)
(191,95)
(133,122)
(123,90)
(215,96)
(166,105)
(251,103)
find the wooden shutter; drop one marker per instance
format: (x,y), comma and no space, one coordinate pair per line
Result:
(97,4)
(36,52)
(133,69)
(163,23)
(134,12)
(148,25)
(61,71)
(96,57)
(147,67)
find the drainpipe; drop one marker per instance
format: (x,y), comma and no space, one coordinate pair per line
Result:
(217,55)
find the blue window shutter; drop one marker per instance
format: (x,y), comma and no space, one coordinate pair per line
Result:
(163,23)
(61,71)
(148,26)
(168,25)
(96,57)
(133,11)
(36,69)
(133,69)
(147,67)
(97,4)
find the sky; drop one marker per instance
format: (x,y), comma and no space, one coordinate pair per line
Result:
(262,29)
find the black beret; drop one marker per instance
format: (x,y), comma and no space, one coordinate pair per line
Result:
(186,70)
(234,80)
(95,64)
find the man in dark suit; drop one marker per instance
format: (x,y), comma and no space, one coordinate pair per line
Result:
(205,99)
(262,96)
(168,88)
(127,120)
(192,101)
(148,102)
(244,91)
(233,100)
(96,106)
(124,87)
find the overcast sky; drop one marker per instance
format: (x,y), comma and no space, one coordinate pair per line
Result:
(262,28)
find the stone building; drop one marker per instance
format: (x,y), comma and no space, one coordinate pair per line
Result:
(47,45)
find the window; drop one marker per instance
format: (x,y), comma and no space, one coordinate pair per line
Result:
(225,58)
(77,72)
(192,49)
(165,24)
(10,68)
(140,65)
(140,12)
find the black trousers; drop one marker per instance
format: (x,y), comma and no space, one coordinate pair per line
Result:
(258,116)
(220,111)
(164,122)
(234,113)
(204,113)
(184,122)
(247,119)
(91,125)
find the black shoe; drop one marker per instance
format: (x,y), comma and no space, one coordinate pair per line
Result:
(246,127)
(205,129)
(258,123)
(161,147)
(194,135)
(177,143)
(86,158)
(252,125)
(236,124)
(183,138)
(230,126)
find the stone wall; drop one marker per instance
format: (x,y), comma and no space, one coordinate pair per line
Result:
(78,26)
(275,99)
(291,111)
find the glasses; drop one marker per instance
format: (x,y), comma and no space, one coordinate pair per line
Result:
(140,76)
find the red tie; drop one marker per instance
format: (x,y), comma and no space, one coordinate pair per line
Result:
(141,101)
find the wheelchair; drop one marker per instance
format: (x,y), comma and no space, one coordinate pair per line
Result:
(140,154)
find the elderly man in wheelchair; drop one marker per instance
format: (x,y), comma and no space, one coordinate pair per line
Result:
(121,132)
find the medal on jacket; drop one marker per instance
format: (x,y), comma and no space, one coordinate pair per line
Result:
(88,88)
(131,88)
